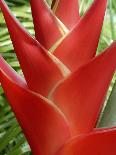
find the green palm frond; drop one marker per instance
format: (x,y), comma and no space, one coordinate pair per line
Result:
(12,140)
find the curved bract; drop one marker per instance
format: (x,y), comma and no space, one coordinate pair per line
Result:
(59,100)
(82,94)
(80,45)
(40,127)
(97,143)
(33,58)
(45,23)
(67,11)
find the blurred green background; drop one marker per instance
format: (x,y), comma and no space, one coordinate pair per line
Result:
(12,141)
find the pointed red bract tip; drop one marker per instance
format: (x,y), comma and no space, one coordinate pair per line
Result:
(4,66)
(40,71)
(67,12)
(81,43)
(44,125)
(97,143)
(81,95)
(47,29)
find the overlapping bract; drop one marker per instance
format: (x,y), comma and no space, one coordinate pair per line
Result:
(45,24)
(58,103)
(70,16)
(81,43)
(86,91)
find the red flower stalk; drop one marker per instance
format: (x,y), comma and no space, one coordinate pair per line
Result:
(59,101)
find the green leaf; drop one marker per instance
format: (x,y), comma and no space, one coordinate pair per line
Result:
(9,135)
(108,118)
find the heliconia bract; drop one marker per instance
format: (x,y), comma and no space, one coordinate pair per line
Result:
(59,99)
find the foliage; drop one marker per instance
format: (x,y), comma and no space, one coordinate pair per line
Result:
(12,140)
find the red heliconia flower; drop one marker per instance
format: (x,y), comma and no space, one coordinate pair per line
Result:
(59,101)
